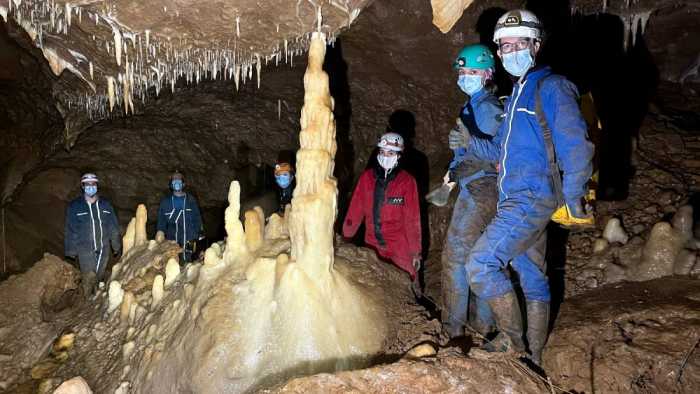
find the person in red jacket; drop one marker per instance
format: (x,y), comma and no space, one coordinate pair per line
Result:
(386,199)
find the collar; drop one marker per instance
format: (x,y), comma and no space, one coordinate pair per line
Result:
(536,73)
(478,96)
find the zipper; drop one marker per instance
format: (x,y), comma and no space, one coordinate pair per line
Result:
(513,105)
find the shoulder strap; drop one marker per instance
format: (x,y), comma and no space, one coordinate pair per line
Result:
(554,171)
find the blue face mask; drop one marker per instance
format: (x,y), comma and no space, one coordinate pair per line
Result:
(470,84)
(177,185)
(283,180)
(90,190)
(517,63)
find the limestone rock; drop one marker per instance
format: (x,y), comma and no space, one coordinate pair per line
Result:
(140,237)
(659,253)
(600,245)
(254,228)
(614,232)
(160,236)
(276,227)
(116,295)
(76,385)
(172,270)
(447,12)
(157,291)
(683,221)
(129,236)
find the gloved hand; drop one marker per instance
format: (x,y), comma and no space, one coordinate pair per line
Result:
(459,136)
(573,215)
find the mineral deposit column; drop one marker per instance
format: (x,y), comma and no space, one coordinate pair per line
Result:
(314,204)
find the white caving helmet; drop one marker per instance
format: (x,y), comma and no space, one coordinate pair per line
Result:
(518,23)
(89,177)
(391,141)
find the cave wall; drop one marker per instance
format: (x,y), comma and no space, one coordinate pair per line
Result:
(392,61)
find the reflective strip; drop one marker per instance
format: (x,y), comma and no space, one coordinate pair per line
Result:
(505,145)
(526,111)
(102,237)
(81,214)
(92,220)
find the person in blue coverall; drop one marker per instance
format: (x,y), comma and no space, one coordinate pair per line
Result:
(476,204)
(91,227)
(179,217)
(526,185)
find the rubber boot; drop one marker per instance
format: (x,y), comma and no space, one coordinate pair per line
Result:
(537,327)
(506,312)
(89,279)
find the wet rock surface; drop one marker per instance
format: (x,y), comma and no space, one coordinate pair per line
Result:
(441,374)
(632,337)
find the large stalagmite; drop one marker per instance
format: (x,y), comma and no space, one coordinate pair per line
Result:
(240,320)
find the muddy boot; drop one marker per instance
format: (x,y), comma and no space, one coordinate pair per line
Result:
(506,312)
(89,279)
(537,325)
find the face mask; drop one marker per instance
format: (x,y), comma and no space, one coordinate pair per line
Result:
(470,84)
(283,180)
(90,190)
(518,62)
(387,162)
(177,185)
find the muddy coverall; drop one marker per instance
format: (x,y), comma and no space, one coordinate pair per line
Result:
(389,208)
(473,210)
(89,231)
(180,220)
(526,200)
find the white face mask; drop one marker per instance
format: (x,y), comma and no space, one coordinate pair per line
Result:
(387,162)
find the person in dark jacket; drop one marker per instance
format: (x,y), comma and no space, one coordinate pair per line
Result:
(386,199)
(284,177)
(91,228)
(179,217)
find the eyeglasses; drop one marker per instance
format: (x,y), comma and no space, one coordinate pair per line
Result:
(388,153)
(508,47)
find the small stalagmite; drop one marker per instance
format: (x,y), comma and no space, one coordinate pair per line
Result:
(614,232)
(140,237)
(254,228)
(115,295)
(172,270)
(157,291)
(128,239)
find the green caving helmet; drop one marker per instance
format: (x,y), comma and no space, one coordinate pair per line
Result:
(475,56)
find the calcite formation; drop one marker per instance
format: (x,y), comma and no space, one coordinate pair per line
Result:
(447,12)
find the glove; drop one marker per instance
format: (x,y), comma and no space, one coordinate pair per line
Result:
(573,214)
(459,136)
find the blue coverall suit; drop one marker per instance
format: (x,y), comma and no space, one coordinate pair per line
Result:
(179,219)
(90,229)
(473,210)
(526,199)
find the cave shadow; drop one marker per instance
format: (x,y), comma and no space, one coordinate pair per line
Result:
(337,69)
(485,25)
(591,51)
(555,256)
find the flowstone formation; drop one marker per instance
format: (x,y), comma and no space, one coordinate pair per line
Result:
(272,301)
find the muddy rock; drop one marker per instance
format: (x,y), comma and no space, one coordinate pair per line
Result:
(443,374)
(634,337)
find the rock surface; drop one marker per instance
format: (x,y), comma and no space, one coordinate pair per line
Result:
(633,337)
